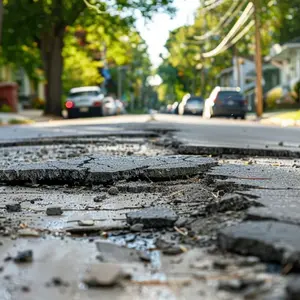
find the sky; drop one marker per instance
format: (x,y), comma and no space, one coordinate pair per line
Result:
(156,31)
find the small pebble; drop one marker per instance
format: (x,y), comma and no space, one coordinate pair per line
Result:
(13,207)
(137,227)
(100,198)
(54,211)
(181,222)
(25,289)
(28,232)
(113,191)
(174,250)
(86,222)
(24,257)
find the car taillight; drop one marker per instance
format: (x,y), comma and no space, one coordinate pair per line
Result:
(97,103)
(69,104)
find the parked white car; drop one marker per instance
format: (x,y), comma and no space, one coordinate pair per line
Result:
(89,101)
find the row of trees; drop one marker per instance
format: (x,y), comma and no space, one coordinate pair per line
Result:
(183,70)
(64,41)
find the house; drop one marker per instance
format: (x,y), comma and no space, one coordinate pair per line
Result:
(236,75)
(286,57)
(242,74)
(26,89)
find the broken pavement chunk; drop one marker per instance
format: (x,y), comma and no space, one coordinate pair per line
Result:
(270,241)
(54,211)
(110,252)
(231,202)
(24,257)
(137,227)
(86,222)
(13,207)
(113,191)
(293,288)
(154,217)
(103,275)
(100,198)
(100,169)
(28,232)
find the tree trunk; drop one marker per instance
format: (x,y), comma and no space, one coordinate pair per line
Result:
(51,50)
(1,19)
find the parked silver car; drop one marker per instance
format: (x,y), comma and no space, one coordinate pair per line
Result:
(191,105)
(89,101)
(225,102)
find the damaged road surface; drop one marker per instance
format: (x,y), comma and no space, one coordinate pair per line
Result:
(125,218)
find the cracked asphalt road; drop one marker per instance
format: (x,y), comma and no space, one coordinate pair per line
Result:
(159,225)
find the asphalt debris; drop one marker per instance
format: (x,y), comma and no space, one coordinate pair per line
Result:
(13,207)
(113,191)
(54,211)
(230,202)
(24,257)
(154,217)
(103,275)
(270,241)
(293,288)
(100,198)
(137,227)
(86,222)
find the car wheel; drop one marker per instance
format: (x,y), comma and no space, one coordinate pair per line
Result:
(243,117)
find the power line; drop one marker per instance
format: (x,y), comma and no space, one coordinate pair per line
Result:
(210,2)
(240,22)
(240,35)
(225,20)
(213,5)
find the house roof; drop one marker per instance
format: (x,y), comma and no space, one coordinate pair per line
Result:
(286,49)
(225,71)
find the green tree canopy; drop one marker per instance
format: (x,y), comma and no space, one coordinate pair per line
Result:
(43,23)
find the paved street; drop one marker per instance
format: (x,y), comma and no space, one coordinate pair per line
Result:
(126,207)
(191,130)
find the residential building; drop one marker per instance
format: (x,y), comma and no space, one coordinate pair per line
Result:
(242,74)
(287,58)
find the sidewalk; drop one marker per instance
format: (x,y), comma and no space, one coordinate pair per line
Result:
(25,117)
(284,118)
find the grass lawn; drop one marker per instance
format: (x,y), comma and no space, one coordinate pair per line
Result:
(293,115)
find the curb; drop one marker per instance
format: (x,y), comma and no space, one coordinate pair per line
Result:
(215,151)
(281,122)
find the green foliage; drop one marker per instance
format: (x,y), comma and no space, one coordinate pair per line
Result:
(36,29)
(38,103)
(19,121)
(5,108)
(280,22)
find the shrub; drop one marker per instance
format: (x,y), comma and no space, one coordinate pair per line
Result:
(38,103)
(5,108)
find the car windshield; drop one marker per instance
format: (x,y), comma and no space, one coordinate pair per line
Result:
(84,93)
(195,100)
(229,94)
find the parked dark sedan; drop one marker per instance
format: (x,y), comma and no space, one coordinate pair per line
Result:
(225,102)
(191,105)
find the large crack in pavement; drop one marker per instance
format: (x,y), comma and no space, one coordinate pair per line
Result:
(157,225)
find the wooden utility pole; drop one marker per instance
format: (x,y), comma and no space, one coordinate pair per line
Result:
(258,60)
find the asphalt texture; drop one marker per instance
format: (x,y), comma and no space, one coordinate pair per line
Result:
(191,130)
(115,196)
